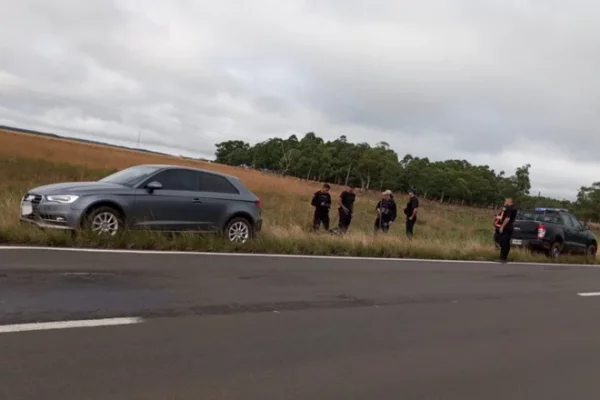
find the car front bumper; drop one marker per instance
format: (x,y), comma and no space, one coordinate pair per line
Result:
(48,215)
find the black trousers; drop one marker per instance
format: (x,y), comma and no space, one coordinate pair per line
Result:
(382,225)
(410,225)
(319,218)
(345,219)
(504,242)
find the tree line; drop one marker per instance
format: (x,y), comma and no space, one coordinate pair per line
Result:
(379,167)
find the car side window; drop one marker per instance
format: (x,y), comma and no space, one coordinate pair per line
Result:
(575,222)
(177,179)
(566,220)
(216,184)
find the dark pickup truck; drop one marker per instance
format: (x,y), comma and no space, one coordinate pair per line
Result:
(553,231)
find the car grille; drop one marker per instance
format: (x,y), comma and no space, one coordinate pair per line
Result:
(35,200)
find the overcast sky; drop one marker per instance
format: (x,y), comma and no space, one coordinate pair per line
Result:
(497,82)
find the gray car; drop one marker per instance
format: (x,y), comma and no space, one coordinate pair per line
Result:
(153,197)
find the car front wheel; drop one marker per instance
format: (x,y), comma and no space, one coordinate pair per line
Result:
(239,230)
(104,221)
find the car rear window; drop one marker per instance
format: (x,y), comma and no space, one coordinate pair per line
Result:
(551,218)
(216,184)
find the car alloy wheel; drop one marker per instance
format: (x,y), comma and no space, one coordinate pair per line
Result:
(105,223)
(238,232)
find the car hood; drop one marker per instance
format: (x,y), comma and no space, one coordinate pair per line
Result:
(77,188)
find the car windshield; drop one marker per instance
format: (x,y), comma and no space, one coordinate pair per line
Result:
(130,176)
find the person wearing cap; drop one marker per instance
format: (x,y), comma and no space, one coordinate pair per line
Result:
(386,212)
(411,212)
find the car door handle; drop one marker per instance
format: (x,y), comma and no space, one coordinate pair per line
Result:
(196,200)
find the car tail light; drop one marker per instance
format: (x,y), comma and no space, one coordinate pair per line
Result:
(541,230)
(258,203)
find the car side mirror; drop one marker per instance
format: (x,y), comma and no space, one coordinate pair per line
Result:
(154,185)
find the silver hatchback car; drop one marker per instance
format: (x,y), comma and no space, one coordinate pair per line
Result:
(153,197)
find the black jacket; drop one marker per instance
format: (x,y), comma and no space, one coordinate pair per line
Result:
(410,206)
(321,202)
(388,209)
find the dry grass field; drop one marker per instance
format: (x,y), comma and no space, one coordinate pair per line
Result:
(443,231)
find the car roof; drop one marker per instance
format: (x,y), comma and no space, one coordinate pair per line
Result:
(170,166)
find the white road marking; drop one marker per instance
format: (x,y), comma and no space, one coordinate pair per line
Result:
(589,294)
(266,255)
(89,323)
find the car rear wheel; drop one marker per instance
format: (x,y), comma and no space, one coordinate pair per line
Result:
(591,251)
(239,230)
(104,221)
(555,250)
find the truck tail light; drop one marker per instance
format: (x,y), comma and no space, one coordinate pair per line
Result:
(541,231)
(258,203)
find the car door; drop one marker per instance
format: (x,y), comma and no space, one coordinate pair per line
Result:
(175,206)
(571,233)
(217,195)
(580,238)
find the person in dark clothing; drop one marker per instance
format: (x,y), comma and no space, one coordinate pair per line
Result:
(506,229)
(386,212)
(321,201)
(411,213)
(346,207)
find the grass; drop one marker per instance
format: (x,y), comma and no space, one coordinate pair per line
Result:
(442,232)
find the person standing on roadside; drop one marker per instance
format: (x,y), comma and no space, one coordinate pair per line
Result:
(411,212)
(346,208)
(321,201)
(386,212)
(506,229)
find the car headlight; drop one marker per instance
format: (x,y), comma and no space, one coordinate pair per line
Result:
(62,198)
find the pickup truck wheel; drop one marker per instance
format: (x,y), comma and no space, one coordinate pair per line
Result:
(555,250)
(591,251)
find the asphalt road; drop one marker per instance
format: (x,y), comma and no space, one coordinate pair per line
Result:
(218,327)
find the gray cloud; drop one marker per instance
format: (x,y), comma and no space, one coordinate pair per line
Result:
(482,80)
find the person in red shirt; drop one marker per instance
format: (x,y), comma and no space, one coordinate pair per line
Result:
(497,225)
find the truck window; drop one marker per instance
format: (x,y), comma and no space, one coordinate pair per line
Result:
(540,217)
(575,222)
(567,221)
